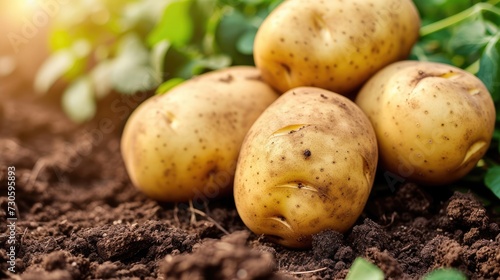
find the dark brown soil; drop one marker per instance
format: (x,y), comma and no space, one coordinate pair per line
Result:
(79,217)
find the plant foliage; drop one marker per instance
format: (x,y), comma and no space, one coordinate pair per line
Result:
(131,46)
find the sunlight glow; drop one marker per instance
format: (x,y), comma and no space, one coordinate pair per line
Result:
(20,7)
(30,2)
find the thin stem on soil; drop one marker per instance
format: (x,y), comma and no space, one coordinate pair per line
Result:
(193,216)
(309,271)
(22,236)
(201,213)
(39,165)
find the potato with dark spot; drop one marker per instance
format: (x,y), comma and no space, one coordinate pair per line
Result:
(306,165)
(335,45)
(184,144)
(433,121)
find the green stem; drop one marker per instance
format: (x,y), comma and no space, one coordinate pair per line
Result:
(449,21)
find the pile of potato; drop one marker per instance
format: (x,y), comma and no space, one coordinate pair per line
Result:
(286,136)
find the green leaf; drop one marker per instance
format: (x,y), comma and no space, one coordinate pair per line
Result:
(168,85)
(101,78)
(245,43)
(199,65)
(145,12)
(178,63)
(489,67)
(53,69)
(496,133)
(214,62)
(433,10)
(362,269)
(158,54)
(131,47)
(60,38)
(131,71)
(189,69)
(492,180)
(129,78)
(78,100)
(468,38)
(229,30)
(176,25)
(200,13)
(445,274)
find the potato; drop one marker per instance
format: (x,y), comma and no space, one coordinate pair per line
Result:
(306,165)
(433,121)
(335,45)
(184,144)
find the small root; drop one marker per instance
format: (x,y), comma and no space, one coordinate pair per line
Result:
(39,166)
(406,247)
(176,214)
(384,218)
(21,243)
(191,209)
(201,213)
(308,271)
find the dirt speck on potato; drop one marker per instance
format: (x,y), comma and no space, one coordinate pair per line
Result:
(229,78)
(307,153)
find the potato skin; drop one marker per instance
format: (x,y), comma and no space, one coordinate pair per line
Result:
(335,45)
(184,144)
(306,165)
(433,121)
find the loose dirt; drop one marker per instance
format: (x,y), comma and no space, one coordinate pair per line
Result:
(79,217)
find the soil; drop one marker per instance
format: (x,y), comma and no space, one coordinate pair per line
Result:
(79,216)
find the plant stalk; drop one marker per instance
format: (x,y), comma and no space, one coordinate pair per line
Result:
(452,20)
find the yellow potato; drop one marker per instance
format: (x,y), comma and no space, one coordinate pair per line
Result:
(306,165)
(433,121)
(335,45)
(184,144)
